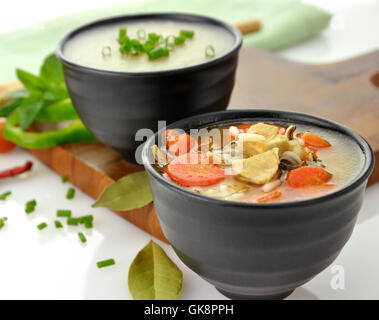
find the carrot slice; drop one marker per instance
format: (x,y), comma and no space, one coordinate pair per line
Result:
(5,145)
(194,170)
(270,197)
(282,130)
(313,140)
(307,176)
(244,127)
(178,143)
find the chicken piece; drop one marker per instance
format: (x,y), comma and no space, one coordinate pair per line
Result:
(280,141)
(258,169)
(267,130)
(251,144)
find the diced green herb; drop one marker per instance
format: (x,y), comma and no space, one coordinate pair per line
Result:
(210,51)
(2,222)
(141,34)
(42,226)
(72,221)
(58,224)
(64,213)
(187,33)
(70,193)
(158,53)
(180,40)
(82,237)
(64,179)
(5,195)
(88,224)
(106,263)
(30,206)
(106,51)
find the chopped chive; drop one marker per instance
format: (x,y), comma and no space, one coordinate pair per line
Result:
(84,219)
(5,195)
(121,33)
(154,36)
(186,33)
(82,238)
(72,221)
(106,51)
(2,222)
(64,213)
(58,224)
(170,42)
(158,53)
(64,179)
(105,263)
(88,224)
(180,40)
(141,34)
(210,51)
(42,225)
(30,206)
(70,193)
(31,203)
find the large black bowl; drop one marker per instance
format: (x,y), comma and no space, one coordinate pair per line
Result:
(115,105)
(257,251)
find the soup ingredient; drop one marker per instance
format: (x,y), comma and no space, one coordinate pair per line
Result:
(178,143)
(64,179)
(313,140)
(45,99)
(162,158)
(224,191)
(267,130)
(194,170)
(128,193)
(105,263)
(5,195)
(210,51)
(58,224)
(16,170)
(270,197)
(64,213)
(42,226)
(70,193)
(153,275)
(186,33)
(82,237)
(307,176)
(158,52)
(2,222)
(5,145)
(30,206)
(258,169)
(107,51)
(72,221)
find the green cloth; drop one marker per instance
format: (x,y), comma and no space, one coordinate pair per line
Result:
(285,22)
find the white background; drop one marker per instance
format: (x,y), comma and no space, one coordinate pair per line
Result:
(53,264)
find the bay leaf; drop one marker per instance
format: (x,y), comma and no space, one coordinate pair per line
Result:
(128,193)
(153,275)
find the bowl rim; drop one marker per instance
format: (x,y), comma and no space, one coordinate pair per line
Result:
(180,16)
(284,115)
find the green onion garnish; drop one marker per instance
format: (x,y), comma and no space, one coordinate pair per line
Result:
(158,53)
(64,213)
(64,179)
(186,33)
(106,51)
(82,237)
(58,224)
(2,222)
(170,42)
(70,193)
(42,225)
(121,34)
(5,195)
(210,51)
(154,36)
(141,34)
(30,206)
(105,263)
(72,221)
(180,40)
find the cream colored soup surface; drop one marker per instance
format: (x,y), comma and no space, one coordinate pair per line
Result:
(86,47)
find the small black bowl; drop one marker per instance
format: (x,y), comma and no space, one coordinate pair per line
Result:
(115,105)
(257,251)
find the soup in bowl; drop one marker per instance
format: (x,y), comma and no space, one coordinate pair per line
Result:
(265,205)
(127,73)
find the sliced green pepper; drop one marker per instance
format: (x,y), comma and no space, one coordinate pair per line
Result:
(62,110)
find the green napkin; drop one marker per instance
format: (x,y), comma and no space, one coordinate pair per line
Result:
(285,22)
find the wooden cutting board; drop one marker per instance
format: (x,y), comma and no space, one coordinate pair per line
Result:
(346,92)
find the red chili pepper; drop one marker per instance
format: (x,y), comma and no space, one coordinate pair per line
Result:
(16,171)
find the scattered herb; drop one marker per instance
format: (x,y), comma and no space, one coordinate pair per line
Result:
(42,226)
(5,195)
(187,33)
(58,224)
(153,276)
(180,40)
(107,51)
(105,263)
(2,222)
(141,34)
(210,51)
(70,193)
(130,192)
(72,221)
(64,179)
(16,171)
(82,238)
(30,206)
(64,213)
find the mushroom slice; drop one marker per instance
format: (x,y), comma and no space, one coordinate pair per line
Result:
(280,142)
(267,130)
(291,157)
(290,132)
(162,158)
(258,169)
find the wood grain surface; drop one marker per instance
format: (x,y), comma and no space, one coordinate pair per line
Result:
(346,92)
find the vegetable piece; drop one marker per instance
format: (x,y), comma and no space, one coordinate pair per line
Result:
(210,51)
(270,197)
(180,40)
(153,276)
(128,193)
(5,195)
(244,127)
(158,52)
(187,33)
(64,179)
(58,224)
(64,213)
(16,171)
(307,176)
(106,51)
(179,143)
(313,140)
(30,206)
(105,263)
(194,170)
(267,130)
(2,222)
(72,221)
(82,237)
(87,221)
(42,226)
(5,145)
(70,193)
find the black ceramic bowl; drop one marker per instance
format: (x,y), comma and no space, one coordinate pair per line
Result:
(115,105)
(257,251)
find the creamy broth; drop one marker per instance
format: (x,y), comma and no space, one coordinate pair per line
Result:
(340,162)
(86,47)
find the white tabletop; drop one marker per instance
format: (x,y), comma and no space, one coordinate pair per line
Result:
(53,264)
